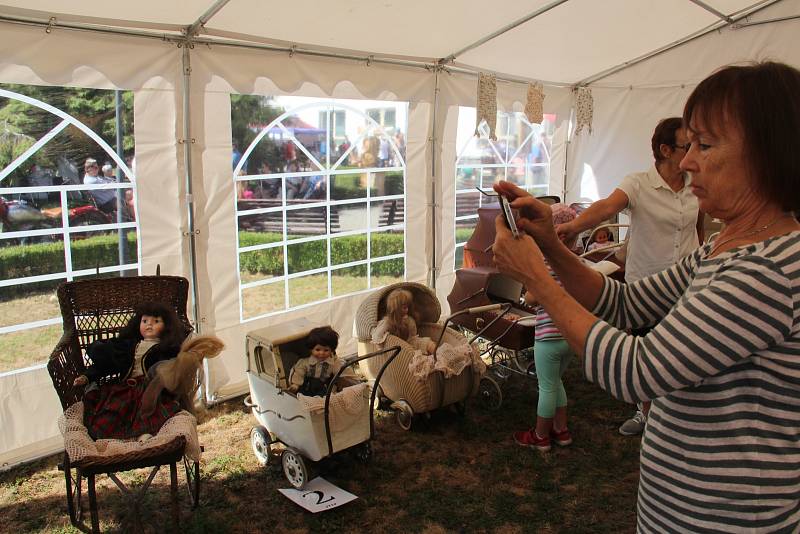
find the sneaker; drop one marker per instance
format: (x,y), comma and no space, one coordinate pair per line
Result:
(561,438)
(528,438)
(635,425)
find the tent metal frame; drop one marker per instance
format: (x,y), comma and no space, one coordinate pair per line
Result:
(719,25)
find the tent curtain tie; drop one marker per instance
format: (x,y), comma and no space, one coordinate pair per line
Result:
(534,107)
(584,105)
(487,103)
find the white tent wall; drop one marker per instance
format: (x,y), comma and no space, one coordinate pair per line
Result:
(619,144)
(29,407)
(219,71)
(628,104)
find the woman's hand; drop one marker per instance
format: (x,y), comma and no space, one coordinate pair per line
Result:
(536,218)
(518,257)
(82,380)
(567,232)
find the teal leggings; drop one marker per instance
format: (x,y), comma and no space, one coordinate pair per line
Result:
(552,358)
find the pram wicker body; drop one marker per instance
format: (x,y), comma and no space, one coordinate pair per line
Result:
(410,395)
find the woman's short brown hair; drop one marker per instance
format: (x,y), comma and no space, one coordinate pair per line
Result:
(764,100)
(664,134)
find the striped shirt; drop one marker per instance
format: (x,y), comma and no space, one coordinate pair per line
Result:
(722,448)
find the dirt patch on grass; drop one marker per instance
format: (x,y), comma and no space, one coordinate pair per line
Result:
(449,474)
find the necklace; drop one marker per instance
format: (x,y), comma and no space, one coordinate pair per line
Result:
(717,246)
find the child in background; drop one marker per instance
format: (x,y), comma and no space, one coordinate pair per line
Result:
(310,376)
(552,355)
(601,238)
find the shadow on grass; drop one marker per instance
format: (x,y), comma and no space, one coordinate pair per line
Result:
(450,474)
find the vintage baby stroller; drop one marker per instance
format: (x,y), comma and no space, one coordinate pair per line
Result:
(408,395)
(309,428)
(506,346)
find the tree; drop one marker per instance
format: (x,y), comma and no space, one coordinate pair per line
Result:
(22,123)
(250,113)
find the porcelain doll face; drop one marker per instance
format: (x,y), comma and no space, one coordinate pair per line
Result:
(321,352)
(151,327)
(601,236)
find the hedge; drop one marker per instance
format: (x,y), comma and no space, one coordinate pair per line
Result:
(313,255)
(45,258)
(18,261)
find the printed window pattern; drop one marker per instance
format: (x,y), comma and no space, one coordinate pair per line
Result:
(320,205)
(55,224)
(521,155)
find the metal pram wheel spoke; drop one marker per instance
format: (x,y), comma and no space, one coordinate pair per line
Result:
(404,414)
(490,394)
(261,441)
(294,468)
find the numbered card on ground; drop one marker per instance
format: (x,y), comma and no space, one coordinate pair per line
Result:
(319,495)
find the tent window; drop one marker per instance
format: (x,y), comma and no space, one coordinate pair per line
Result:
(521,155)
(320,199)
(67,206)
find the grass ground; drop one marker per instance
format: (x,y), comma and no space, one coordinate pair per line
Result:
(449,474)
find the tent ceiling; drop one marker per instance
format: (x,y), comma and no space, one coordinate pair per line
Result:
(566,44)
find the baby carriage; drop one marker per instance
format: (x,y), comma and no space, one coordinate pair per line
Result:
(310,428)
(506,338)
(408,394)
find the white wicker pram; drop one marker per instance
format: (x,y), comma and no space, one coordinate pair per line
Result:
(336,423)
(409,395)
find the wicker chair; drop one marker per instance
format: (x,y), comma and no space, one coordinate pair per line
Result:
(99,309)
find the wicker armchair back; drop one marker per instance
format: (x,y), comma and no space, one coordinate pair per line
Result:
(99,309)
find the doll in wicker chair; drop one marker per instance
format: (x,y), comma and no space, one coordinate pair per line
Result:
(128,373)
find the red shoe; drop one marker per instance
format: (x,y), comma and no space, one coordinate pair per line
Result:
(528,438)
(562,438)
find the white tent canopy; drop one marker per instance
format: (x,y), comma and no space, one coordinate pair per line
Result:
(182,60)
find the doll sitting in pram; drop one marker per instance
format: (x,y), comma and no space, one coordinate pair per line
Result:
(311,376)
(401,321)
(412,388)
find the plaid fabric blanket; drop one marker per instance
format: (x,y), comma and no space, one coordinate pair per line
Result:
(113,411)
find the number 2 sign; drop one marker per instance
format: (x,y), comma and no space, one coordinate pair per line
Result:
(319,495)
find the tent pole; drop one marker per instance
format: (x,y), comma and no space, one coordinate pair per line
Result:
(433,269)
(696,35)
(567,141)
(194,29)
(713,11)
(740,25)
(187,142)
(501,31)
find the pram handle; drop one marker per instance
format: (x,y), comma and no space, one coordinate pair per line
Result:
(478,309)
(331,385)
(481,309)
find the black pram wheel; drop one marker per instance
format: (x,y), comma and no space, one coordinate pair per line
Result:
(364,452)
(490,394)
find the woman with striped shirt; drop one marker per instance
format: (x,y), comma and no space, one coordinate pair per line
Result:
(722,366)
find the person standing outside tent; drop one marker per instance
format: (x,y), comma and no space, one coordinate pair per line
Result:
(106,199)
(665,221)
